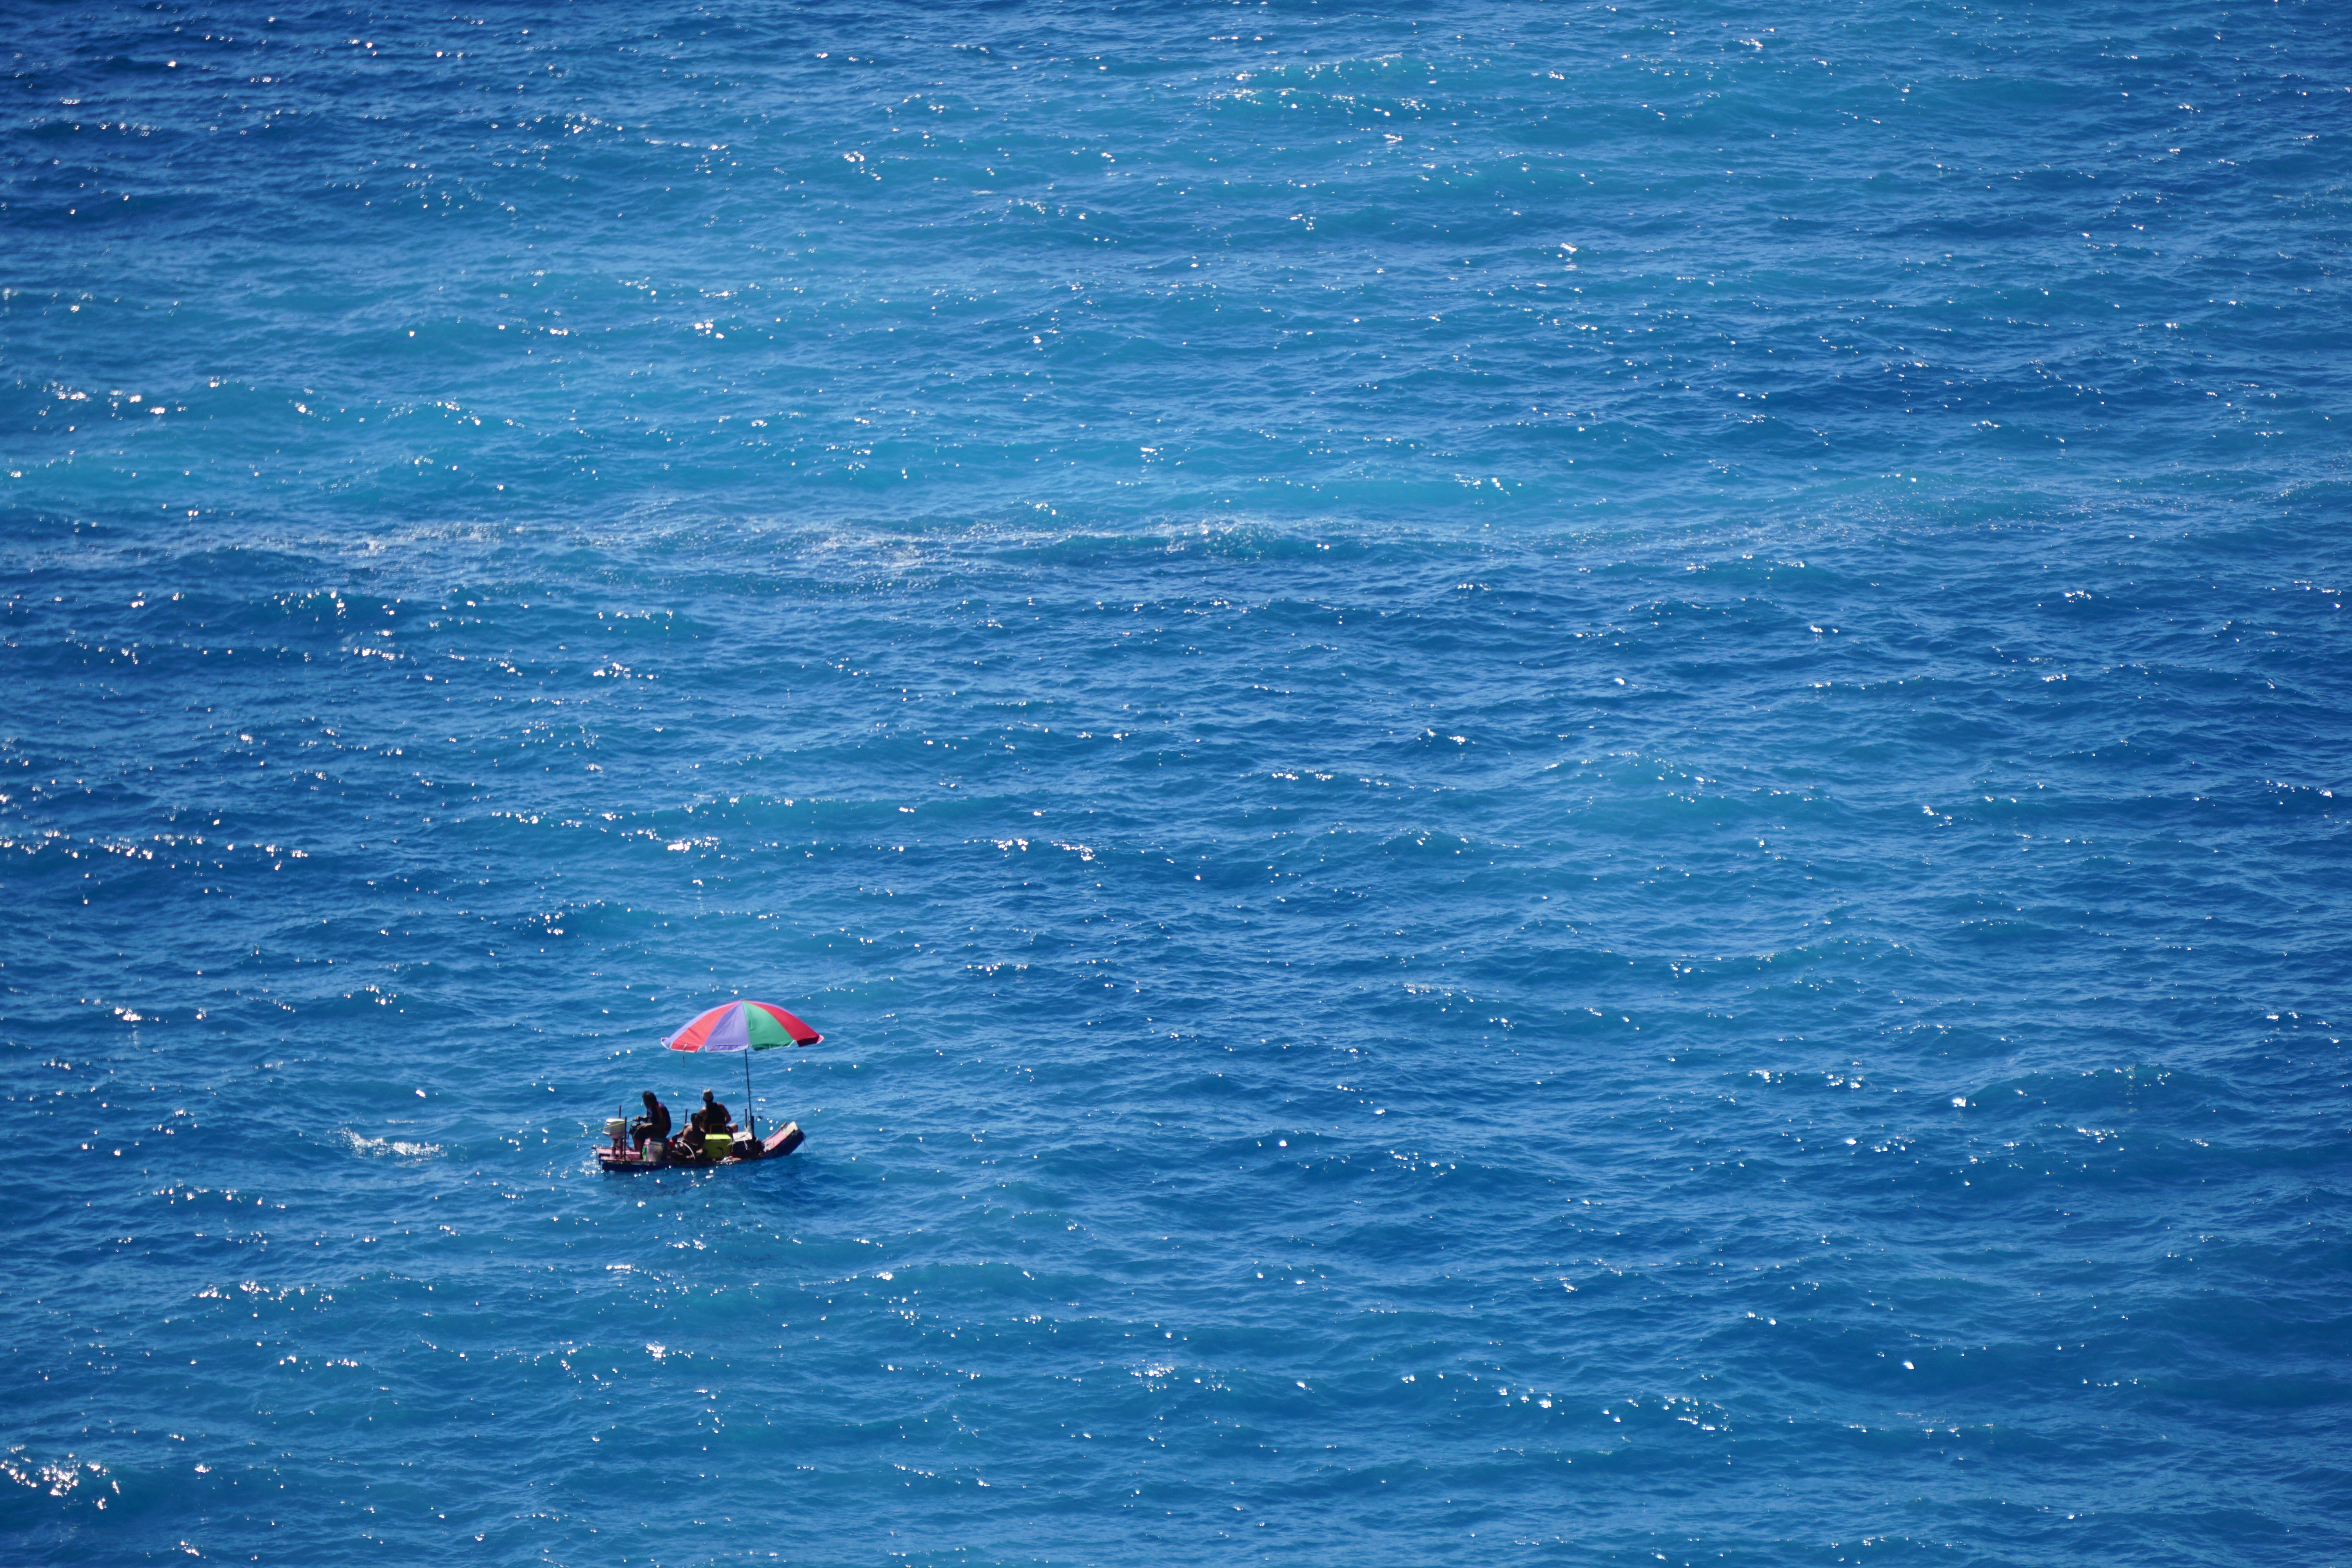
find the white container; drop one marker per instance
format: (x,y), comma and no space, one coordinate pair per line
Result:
(651,1153)
(614,1127)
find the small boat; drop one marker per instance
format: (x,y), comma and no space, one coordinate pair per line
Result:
(731,1026)
(679,1153)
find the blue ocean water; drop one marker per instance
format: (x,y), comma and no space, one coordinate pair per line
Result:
(1561,783)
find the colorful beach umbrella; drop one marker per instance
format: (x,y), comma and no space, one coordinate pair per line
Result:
(743,1027)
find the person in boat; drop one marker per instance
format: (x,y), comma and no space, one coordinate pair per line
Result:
(653,1127)
(712,1117)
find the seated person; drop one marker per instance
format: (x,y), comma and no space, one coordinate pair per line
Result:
(712,1118)
(653,1127)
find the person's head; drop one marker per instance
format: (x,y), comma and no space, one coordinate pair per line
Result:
(708,1097)
(649,1099)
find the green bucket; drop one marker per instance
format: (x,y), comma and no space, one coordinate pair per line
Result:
(718,1145)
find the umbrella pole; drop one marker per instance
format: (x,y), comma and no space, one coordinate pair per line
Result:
(750,1118)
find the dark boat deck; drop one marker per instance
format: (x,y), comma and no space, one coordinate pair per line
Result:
(775,1145)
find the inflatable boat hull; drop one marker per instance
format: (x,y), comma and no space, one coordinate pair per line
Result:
(775,1145)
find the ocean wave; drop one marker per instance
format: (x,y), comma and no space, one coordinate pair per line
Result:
(369,1148)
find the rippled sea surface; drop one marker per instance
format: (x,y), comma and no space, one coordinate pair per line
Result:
(1562,783)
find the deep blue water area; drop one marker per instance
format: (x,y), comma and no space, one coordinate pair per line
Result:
(1561,783)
